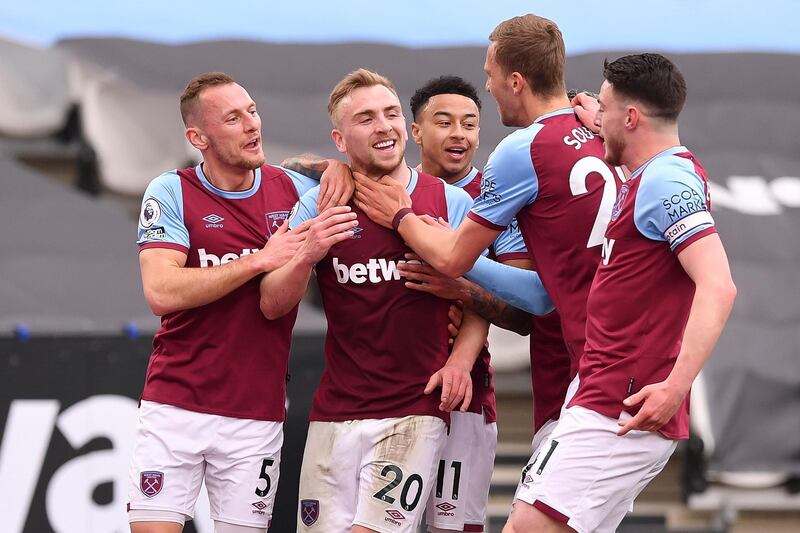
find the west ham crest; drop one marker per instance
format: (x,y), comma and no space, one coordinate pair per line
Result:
(274,221)
(309,511)
(151,482)
(623,193)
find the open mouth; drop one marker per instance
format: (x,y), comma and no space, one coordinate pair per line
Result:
(385,146)
(456,153)
(253,145)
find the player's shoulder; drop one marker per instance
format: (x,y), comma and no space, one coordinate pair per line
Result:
(670,168)
(454,193)
(163,183)
(269,172)
(428,180)
(519,138)
(169,177)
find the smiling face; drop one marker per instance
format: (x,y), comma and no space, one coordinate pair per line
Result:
(447,132)
(229,127)
(371,130)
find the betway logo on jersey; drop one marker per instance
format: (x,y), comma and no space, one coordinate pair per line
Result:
(212,260)
(373,271)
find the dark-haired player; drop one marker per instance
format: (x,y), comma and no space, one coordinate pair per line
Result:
(446,127)
(657,306)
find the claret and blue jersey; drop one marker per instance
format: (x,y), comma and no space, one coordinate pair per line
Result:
(222,358)
(640,299)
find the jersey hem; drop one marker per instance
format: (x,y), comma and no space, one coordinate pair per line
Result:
(483,222)
(696,237)
(169,245)
(511,256)
(217,412)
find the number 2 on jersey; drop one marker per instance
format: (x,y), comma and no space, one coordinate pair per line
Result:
(577,185)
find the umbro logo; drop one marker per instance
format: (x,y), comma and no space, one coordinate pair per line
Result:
(213,219)
(446,506)
(394,513)
(259,505)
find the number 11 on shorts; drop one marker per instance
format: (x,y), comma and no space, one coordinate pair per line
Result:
(456,465)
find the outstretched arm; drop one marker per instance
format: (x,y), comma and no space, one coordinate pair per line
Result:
(425,278)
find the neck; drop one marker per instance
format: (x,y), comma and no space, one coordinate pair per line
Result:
(401,173)
(535,106)
(435,170)
(649,145)
(226,177)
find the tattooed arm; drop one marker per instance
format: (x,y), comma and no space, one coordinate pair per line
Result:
(427,279)
(335,179)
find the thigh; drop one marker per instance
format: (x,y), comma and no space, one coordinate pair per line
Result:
(458,498)
(167,466)
(397,471)
(329,477)
(242,471)
(584,472)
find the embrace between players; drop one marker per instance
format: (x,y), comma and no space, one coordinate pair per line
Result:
(630,260)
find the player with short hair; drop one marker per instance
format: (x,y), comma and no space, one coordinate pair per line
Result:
(212,407)
(663,258)
(446,127)
(550,174)
(375,438)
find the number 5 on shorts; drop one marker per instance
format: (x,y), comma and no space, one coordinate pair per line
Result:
(262,493)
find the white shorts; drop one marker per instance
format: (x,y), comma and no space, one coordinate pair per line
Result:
(175,450)
(586,476)
(459,498)
(376,473)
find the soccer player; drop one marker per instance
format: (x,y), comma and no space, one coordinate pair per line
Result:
(446,127)
(374,439)
(663,258)
(550,175)
(212,408)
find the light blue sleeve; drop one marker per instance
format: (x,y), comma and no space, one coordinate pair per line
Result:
(302,183)
(305,208)
(519,287)
(510,241)
(161,215)
(671,202)
(458,204)
(509,180)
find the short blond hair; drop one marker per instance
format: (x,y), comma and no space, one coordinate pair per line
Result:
(534,47)
(355,80)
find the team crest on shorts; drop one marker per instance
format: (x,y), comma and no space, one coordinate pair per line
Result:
(151,482)
(309,511)
(274,221)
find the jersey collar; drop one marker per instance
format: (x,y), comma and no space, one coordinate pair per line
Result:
(564,111)
(466,179)
(231,195)
(669,151)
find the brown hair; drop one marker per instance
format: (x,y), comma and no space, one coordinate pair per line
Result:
(197,85)
(650,78)
(534,47)
(355,80)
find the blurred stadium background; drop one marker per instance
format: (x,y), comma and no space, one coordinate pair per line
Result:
(88,115)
